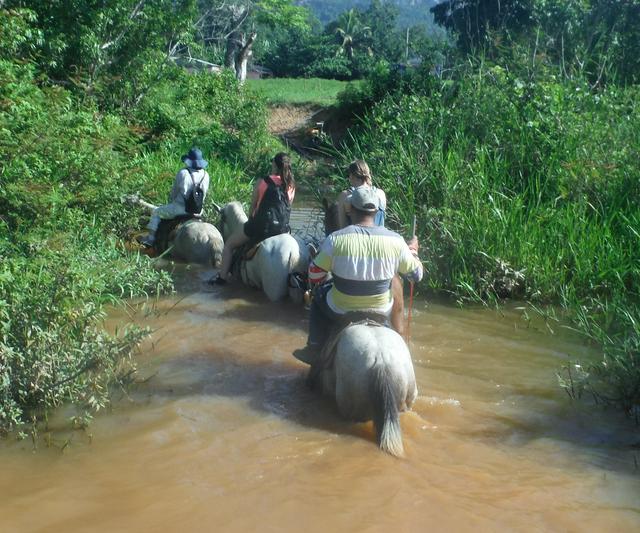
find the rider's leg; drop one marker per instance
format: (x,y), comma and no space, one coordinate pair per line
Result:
(397,311)
(320,320)
(154,222)
(236,239)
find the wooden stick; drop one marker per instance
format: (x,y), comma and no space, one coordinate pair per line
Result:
(411,287)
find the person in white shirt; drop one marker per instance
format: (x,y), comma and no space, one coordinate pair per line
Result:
(193,175)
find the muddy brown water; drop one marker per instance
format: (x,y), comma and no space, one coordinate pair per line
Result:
(222,435)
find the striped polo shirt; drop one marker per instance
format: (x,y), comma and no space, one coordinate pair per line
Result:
(362,261)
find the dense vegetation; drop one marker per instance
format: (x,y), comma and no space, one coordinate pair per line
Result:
(516,143)
(69,151)
(350,46)
(521,163)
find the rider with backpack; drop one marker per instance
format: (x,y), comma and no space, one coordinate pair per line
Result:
(187,195)
(270,210)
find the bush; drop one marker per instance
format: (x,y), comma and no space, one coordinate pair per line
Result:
(521,189)
(66,163)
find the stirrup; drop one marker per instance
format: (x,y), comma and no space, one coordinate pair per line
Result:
(217,280)
(146,241)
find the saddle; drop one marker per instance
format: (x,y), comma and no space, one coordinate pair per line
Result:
(246,252)
(328,352)
(166,228)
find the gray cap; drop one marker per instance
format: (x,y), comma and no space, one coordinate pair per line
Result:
(365,199)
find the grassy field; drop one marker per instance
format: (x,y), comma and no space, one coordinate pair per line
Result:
(298,90)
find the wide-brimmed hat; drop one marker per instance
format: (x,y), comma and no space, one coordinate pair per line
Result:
(365,199)
(194,159)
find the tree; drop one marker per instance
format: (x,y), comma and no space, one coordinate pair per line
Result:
(234,26)
(599,38)
(595,38)
(118,48)
(386,39)
(474,20)
(353,35)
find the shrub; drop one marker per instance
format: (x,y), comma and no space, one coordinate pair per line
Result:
(521,189)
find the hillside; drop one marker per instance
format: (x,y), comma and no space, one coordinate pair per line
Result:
(412,12)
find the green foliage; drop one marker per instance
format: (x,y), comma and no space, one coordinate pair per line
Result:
(282,14)
(522,189)
(597,38)
(592,39)
(212,111)
(53,347)
(386,40)
(297,54)
(474,22)
(114,51)
(410,12)
(350,46)
(66,163)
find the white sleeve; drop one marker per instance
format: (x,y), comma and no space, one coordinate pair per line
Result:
(181,186)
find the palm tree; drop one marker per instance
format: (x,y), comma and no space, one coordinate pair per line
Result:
(353,34)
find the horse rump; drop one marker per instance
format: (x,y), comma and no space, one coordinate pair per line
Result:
(385,398)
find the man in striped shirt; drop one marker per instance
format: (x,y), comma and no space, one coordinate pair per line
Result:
(362,259)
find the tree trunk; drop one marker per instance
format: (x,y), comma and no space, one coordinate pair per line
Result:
(243,57)
(234,42)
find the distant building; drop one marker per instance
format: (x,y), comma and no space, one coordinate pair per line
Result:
(197,65)
(256,72)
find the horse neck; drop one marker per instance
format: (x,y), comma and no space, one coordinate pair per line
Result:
(233,218)
(331,218)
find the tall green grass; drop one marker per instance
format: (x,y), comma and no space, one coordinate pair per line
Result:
(527,190)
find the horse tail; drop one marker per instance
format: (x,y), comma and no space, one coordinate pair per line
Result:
(385,401)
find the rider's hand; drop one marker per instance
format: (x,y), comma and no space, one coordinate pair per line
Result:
(413,245)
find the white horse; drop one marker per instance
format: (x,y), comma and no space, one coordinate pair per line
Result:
(274,260)
(371,377)
(193,241)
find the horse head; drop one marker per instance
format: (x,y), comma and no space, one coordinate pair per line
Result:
(330,216)
(232,217)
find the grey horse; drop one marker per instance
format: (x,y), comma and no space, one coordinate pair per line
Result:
(370,374)
(194,241)
(274,260)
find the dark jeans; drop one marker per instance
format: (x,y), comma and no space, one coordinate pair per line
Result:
(321,317)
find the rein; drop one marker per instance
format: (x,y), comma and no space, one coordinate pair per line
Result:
(411,287)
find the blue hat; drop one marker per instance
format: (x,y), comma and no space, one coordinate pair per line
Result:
(194,159)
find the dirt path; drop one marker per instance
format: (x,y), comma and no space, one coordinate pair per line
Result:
(285,119)
(307,128)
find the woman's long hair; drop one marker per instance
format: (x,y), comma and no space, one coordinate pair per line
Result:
(360,170)
(283,164)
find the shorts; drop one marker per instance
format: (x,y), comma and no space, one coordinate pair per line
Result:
(254,231)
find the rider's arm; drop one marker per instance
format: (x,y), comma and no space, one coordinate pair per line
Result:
(383,199)
(255,197)
(410,266)
(321,264)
